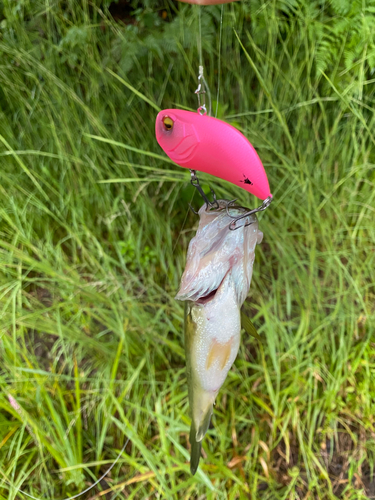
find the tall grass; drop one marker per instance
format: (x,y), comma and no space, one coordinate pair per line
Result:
(94,228)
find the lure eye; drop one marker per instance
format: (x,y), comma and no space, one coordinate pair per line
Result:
(168,123)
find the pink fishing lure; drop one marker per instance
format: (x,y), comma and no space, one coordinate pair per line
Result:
(203,143)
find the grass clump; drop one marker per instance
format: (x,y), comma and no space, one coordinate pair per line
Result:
(94,228)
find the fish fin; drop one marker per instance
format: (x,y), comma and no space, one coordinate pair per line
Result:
(196,437)
(195,453)
(248,326)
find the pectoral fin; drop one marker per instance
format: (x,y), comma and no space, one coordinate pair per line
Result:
(248,326)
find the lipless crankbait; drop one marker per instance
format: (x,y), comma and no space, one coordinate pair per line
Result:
(214,285)
(203,143)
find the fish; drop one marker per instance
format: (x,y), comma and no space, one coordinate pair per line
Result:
(214,286)
(201,142)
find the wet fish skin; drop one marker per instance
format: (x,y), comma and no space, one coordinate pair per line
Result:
(211,344)
(214,285)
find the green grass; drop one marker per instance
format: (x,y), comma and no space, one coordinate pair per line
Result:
(94,228)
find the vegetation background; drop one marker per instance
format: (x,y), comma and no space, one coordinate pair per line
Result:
(94,228)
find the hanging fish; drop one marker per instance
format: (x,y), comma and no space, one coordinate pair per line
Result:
(204,143)
(214,285)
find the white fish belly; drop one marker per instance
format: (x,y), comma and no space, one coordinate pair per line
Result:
(217,338)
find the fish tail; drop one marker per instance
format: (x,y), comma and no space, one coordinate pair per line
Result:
(197,433)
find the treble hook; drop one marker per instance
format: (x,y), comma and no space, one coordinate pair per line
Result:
(266,203)
(195,182)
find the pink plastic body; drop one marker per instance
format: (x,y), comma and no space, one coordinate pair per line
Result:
(203,143)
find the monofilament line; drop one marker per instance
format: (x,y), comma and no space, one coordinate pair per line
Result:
(199,41)
(200,58)
(219,62)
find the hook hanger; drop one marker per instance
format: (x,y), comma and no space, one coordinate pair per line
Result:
(195,182)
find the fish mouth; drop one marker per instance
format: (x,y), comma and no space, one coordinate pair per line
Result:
(205,299)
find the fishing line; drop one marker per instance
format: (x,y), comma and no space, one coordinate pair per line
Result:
(82,492)
(219,62)
(199,43)
(203,87)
